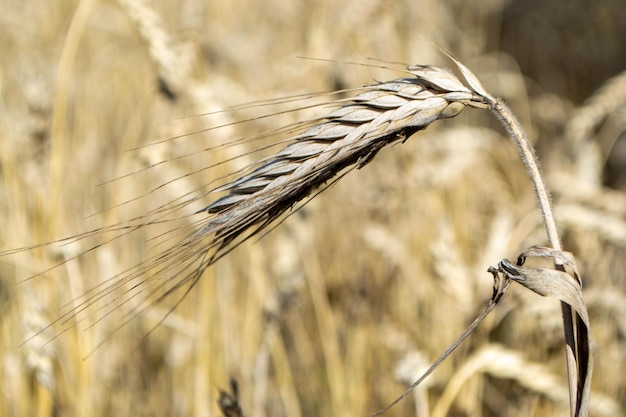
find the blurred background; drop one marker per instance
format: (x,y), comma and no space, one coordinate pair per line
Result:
(338,310)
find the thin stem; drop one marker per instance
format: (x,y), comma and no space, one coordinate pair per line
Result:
(500,285)
(527,153)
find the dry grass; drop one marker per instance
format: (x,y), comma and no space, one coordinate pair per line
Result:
(314,318)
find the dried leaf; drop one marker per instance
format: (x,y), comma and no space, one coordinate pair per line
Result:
(566,287)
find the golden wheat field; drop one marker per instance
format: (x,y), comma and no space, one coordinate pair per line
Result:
(105,114)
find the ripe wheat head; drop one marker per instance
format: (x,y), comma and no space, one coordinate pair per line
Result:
(259,196)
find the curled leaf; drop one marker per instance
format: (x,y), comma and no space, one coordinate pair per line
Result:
(563,283)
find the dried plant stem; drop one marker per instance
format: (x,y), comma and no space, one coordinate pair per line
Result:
(579,361)
(500,285)
(513,127)
(515,130)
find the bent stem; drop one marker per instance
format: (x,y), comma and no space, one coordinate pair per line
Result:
(515,130)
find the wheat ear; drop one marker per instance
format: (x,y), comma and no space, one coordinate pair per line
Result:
(346,138)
